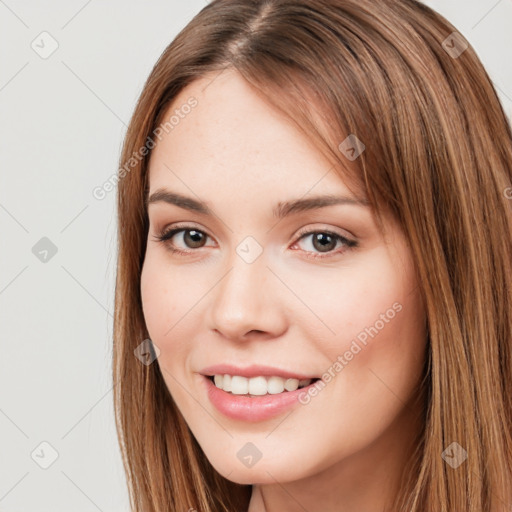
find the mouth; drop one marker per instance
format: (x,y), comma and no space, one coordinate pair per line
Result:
(257,392)
(258,386)
(255,398)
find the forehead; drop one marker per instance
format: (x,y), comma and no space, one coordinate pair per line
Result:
(233,139)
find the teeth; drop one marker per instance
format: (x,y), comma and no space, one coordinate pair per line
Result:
(258,386)
(275,385)
(239,385)
(291,384)
(226,382)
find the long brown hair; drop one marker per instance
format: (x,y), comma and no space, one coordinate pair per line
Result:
(438,157)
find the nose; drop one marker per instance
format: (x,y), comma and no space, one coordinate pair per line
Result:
(247,303)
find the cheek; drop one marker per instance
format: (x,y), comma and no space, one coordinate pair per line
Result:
(353,302)
(168,295)
(376,320)
(165,304)
(156,304)
(382,345)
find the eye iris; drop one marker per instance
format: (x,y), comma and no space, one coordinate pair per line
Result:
(326,241)
(191,238)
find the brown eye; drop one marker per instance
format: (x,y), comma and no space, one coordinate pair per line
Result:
(324,242)
(190,239)
(193,238)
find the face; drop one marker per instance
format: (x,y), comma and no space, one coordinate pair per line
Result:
(271,296)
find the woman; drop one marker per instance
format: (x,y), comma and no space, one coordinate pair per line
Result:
(314,266)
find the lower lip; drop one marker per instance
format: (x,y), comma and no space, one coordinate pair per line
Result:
(257,408)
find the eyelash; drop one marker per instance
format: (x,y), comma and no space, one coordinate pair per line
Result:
(166,235)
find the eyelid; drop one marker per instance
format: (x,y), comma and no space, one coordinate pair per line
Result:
(324,229)
(184,226)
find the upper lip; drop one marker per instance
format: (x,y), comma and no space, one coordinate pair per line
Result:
(254,370)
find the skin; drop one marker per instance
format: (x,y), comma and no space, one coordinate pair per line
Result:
(345,449)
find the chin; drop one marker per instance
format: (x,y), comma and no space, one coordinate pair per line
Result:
(260,473)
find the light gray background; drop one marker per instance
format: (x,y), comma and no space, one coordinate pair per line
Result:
(63,119)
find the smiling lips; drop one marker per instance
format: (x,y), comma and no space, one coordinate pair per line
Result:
(254,393)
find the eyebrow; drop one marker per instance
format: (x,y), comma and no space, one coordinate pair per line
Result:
(281,210)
